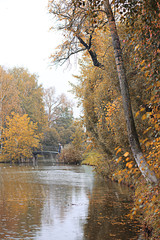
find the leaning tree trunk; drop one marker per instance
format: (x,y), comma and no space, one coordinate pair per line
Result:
(131,129)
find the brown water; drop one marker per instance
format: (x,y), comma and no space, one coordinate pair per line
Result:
(49,202)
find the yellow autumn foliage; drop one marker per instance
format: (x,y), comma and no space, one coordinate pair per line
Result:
(19,137)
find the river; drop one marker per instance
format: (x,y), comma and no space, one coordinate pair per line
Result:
(59,202)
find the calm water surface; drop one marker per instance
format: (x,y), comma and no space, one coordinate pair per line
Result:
(50,202)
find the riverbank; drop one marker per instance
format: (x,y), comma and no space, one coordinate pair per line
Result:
(145,196)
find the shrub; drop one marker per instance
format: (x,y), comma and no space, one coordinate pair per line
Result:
(70,155)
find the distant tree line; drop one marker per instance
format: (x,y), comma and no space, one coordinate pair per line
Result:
(31,117)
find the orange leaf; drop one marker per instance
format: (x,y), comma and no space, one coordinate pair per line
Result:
(137,113)
(119,150)
(119,159)
(144,117)
(126,154)
(130,165)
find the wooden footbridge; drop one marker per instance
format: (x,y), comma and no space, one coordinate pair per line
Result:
(47,151)
(41,152)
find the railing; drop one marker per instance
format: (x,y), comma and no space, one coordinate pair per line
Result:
(45,151)
(49,148)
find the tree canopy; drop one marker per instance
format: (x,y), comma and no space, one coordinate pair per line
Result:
(59,111)
(19,137)
(80,21)
(21,101)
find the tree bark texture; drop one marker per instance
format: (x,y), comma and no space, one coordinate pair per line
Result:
(131,129)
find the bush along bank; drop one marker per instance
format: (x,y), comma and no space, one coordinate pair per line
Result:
(70,155)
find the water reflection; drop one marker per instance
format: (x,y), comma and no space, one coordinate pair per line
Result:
(66,206)
(107,215)
(19,199)
(62,202)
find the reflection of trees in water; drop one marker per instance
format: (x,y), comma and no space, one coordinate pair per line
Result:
(20,204)
(58,202)
(66,190)
(30,199)
(108,207)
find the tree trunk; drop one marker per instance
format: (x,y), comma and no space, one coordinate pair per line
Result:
(131,129)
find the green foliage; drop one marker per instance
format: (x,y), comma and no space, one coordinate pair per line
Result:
(64,117)
(65,134)
(51,138)
(60,118)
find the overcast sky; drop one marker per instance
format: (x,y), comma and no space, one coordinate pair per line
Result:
(25,41)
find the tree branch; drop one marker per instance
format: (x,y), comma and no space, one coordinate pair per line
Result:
(91,52)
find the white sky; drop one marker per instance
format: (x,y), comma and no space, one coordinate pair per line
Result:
(25,41)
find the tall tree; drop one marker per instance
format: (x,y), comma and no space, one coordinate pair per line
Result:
(60,118)
(132,133)
(51,102)
(63,112)
(9,98)
(78,136)
(63,119)
(57,107)
(19,137)
(30,95)
(80,20)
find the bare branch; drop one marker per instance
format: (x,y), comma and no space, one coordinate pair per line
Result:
(80,24)
(91,52)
